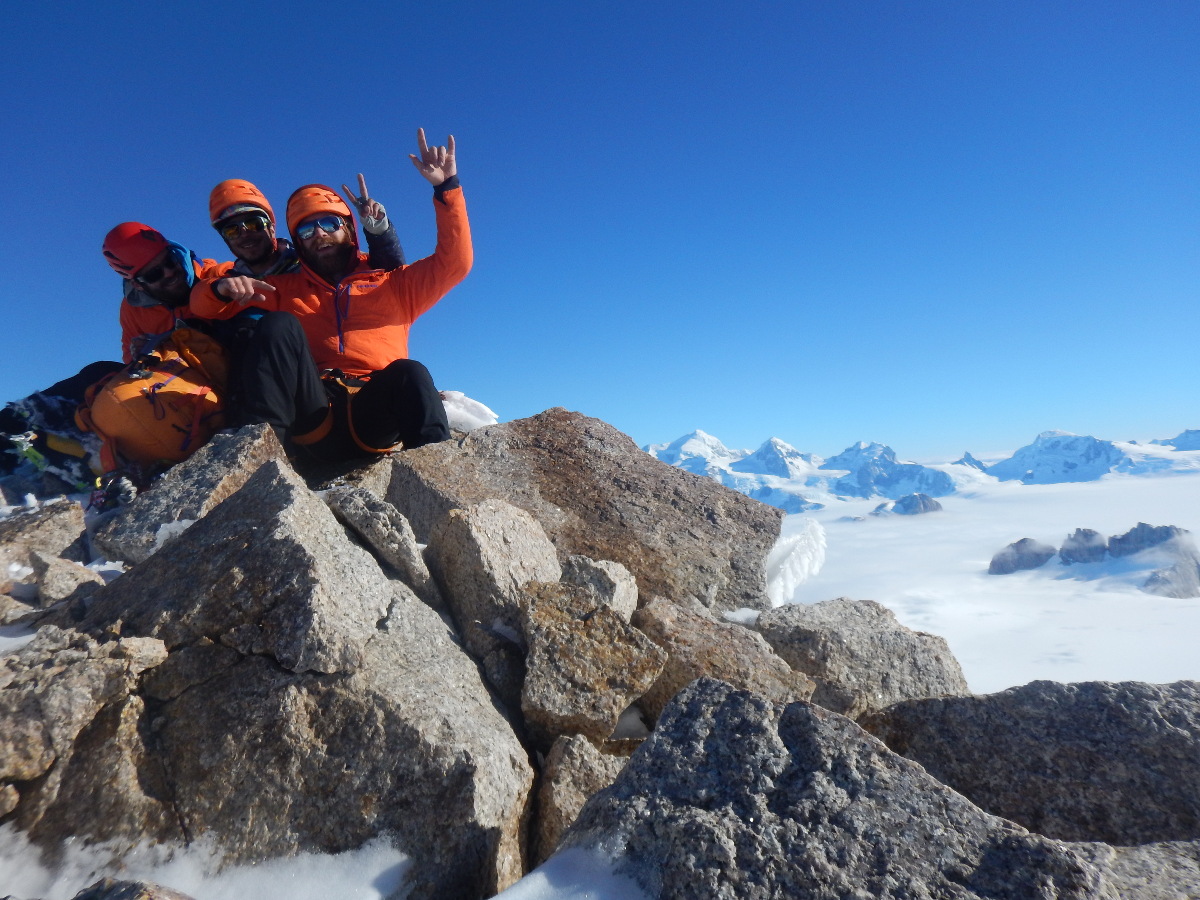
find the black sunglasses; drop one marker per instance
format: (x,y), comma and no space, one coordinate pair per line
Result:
(252,223)
(159,272)
(328,224)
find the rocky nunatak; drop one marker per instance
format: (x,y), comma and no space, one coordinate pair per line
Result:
(457,650)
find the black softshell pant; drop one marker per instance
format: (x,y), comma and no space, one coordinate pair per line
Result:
(272,376)
(274,380)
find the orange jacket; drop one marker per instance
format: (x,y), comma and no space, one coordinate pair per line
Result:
(361,324)
(137,320)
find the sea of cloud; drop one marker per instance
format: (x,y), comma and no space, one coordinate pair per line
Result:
(1063,623)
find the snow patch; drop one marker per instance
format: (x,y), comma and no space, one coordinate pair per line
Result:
(576,874)
(372,872)
(465,414)
(168,531)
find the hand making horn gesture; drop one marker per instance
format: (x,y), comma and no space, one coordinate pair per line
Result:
(368,209)
(435,164)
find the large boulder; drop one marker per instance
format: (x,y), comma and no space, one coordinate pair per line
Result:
(308,703)
(1084,762)
(55,528)
(186,493)
(585,664)
(736,796)
(596,494)
(697,645)
(860,657)
(274,574)
(483,556)
(59,686)
(574,770)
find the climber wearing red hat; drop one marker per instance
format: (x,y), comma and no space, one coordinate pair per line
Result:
(357,319)
(159,276)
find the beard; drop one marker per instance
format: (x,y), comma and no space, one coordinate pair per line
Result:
(333,267)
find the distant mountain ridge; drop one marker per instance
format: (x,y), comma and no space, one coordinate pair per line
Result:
(780,475)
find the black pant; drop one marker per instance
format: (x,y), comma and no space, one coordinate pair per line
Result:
(272,376)
(399,405)
(273,379)
(72,388)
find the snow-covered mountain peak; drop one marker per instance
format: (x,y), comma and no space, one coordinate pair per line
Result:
(1060,456)
(1188,439)
(696,444)
(778,458)
(861,454)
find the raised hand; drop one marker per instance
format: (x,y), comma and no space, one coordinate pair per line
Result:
(367,208)
(242,289)
(435,164)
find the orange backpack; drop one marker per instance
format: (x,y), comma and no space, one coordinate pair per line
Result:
(163,406)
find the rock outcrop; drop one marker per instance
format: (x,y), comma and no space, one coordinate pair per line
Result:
(597,495)
(696,645)
(1021,556)
(908,505)
(1084,545)
(860,657)
(1180,577)
(1116,763)
(285,670)
(1142,537)
(736,796)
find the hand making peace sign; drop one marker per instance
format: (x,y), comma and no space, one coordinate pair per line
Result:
(367,208)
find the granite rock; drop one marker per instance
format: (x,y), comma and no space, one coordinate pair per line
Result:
(1096,761)
(736,796)
(597,495)
(698,645)
(186,493)
(860,657)
(585,664)
(574,769)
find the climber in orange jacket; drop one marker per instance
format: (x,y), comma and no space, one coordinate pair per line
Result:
(356,319)
(158,279)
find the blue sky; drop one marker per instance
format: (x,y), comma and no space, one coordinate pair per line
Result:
(939,224)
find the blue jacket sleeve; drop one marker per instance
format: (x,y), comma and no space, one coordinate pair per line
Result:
(384,250)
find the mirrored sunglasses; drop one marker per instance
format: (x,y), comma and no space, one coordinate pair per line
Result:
(251,223)
(328,224)
(153,276)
